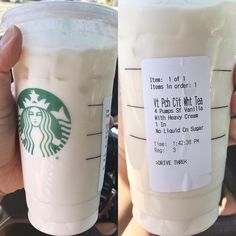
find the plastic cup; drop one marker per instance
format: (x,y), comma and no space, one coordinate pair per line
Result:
(172,54)
(64,84)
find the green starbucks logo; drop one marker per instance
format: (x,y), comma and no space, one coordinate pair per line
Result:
(44,122)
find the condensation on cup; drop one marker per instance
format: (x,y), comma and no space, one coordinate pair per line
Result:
(64,82)
(175,65)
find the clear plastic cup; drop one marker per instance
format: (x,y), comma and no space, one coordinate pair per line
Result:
(64,82)
(173,54)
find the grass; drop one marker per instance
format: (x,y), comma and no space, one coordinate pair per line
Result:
(110,4)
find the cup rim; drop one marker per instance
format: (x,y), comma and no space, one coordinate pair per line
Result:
(76,10)
(180,4)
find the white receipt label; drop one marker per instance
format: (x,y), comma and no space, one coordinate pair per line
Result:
(105,132)
(177,109)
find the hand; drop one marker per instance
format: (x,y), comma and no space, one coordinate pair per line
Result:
(10,165)
(232,130)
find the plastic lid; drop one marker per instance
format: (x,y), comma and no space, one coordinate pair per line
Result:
(79,10)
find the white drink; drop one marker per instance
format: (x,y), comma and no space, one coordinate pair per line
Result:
(65,72)
(175,29)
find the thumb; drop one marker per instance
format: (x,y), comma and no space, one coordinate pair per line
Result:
(10,49)
(10,170)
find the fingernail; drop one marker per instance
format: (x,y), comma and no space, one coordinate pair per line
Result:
(7,36)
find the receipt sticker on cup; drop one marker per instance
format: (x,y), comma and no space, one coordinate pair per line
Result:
(178,122)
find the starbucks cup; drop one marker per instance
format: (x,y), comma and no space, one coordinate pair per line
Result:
(64,84)
(175,66)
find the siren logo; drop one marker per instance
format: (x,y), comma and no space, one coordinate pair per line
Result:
(44,122)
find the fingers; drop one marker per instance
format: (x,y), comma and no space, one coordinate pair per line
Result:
(134,229)
(233,104)
(232,132)
(111,122)
(232,129)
